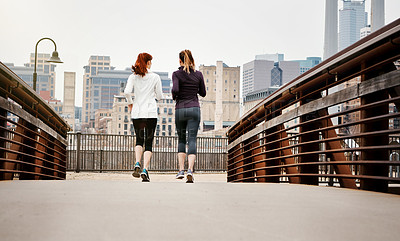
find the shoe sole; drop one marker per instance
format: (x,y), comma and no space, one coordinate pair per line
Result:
(189,179)
(136,172)
(145,178)
(180,177)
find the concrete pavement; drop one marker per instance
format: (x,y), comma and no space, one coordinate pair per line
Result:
(206,210)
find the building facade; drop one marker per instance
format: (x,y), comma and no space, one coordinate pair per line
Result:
(26,74)
(256,75)
(221,106)
(352,18)
(309,63)
(253,98)
(46,68)
(166,117)
(95,64)
(69,99)
(102,116)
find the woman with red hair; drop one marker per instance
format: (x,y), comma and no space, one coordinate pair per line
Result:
(147,88)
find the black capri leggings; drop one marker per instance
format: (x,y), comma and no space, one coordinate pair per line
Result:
(187,119)
(144,129)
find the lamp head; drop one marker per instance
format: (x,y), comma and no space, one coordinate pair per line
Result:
(54,58)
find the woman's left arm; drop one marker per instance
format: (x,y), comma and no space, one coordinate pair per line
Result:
(158,89)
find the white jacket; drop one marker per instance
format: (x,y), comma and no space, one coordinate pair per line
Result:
(146,89)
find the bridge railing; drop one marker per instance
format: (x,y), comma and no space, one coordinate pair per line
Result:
(338,122)
(32,135)
(106,152)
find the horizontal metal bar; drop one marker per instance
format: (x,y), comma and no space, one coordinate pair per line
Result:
(31,156)
(31,173)
(392,179)
(33,148)
(33,165)
(332,163)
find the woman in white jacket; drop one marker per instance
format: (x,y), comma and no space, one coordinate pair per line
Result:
(147,88)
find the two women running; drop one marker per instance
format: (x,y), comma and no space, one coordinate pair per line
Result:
(187,84)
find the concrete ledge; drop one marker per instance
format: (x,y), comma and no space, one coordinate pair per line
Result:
(131,210)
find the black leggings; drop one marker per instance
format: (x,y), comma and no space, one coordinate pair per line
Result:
(144,129)
(187,119)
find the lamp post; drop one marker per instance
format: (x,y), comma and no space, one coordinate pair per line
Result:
(53,59)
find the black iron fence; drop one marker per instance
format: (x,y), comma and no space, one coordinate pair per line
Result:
(104,152)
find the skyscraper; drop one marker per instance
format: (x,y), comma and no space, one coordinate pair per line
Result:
(352,18)
(95,63)
(331,28)
(377,14)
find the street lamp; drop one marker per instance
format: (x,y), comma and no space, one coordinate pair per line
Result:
(53,59)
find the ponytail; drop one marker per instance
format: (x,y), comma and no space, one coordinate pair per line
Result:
(140,67)
(187,59)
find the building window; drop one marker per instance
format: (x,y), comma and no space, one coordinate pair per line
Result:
(125,127)
(163,127)
(169,119)
(126,109)
(165,110)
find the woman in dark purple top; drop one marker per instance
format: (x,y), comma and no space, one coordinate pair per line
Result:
(186,84)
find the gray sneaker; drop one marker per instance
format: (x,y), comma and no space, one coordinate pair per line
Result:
(180,175)
(189,176)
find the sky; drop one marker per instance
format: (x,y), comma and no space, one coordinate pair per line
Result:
(233,31)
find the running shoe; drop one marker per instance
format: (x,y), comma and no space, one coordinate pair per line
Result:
(145,176)
(136,170)
(189,176)
(180,175)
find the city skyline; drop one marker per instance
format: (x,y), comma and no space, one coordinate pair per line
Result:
(233,31)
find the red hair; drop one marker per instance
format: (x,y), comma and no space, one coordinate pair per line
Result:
(140,67)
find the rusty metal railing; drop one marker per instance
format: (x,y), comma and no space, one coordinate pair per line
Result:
(338,122)
(32,135)
(108,152)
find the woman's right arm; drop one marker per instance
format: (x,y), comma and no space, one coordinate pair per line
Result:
(128,90)
(175,86)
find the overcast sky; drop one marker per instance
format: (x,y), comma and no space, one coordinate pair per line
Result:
(233,31)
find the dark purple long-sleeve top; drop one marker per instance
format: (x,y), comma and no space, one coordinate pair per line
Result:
(185,88)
